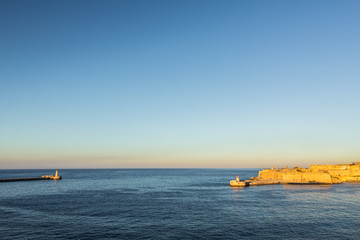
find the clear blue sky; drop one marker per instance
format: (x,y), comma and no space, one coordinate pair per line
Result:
(90,84)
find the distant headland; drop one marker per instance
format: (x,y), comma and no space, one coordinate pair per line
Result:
(316,174)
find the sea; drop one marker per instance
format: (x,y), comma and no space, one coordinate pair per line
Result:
(172,204)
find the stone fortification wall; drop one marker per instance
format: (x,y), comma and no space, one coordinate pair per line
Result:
(316,173)
(307,177)
(350,179)
(270,174)
(341,171)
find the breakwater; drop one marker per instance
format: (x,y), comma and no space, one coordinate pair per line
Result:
(23,179)
(45,177)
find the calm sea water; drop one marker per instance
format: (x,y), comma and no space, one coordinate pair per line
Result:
(172,204)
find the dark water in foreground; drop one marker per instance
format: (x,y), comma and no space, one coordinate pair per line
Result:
(172,204)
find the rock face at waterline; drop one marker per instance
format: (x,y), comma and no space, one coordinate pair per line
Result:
(316,174)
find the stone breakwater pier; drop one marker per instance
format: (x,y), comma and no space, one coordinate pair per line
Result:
(46,177)
(316,174)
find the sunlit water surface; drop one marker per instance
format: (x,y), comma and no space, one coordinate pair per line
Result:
(172,204)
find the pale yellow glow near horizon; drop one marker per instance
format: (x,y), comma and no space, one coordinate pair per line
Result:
(254,155)
(215,161)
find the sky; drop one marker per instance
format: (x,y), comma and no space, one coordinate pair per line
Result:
(179,84)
